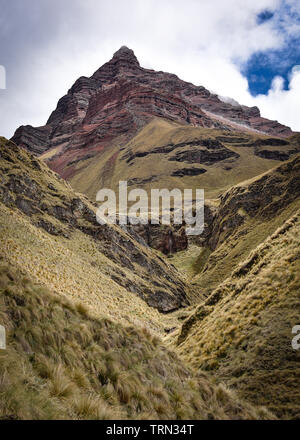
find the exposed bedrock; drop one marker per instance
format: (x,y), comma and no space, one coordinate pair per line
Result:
(119,99)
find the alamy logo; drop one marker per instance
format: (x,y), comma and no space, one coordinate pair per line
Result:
(165,207)
(2,78)
(296,339)
(2,338)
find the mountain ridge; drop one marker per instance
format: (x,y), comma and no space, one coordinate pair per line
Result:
(119,99)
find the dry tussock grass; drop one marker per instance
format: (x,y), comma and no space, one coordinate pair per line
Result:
(62,363)
(242,333)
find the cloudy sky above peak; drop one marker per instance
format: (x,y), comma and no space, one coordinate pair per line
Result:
(248,50)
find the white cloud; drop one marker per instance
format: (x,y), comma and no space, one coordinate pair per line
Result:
(280,104)
(202,41)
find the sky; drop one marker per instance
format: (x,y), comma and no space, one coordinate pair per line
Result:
(248,50)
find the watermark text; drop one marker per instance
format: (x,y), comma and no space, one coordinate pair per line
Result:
(164,207)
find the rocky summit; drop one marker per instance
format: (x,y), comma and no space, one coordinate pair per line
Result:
(118,100)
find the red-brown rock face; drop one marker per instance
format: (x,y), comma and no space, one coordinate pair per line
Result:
(119,99)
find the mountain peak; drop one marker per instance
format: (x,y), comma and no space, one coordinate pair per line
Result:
(121,97)
(125,54)
(124,49)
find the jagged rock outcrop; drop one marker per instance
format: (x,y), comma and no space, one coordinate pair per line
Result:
(204,156)
(119,99)
(183,172)
(167,239)
(36,140)
(273,154)
(264,198)
(206,151)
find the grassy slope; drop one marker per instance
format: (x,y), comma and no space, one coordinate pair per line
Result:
(188,261)
(73,263)
(77,347)
(234,250)
(242,333)
(248,214)
(61,363)
(109,167)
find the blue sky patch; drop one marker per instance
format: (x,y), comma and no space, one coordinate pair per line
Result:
(264,16)
(262,67)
